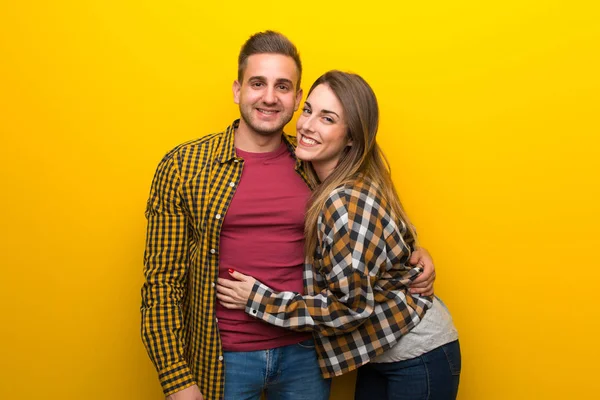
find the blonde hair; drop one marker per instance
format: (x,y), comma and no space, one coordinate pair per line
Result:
(364,157)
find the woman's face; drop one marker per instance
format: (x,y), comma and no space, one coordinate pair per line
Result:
(322,131)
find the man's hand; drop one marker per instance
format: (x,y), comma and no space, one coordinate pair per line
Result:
(234,294)
(423,284)
(189,393)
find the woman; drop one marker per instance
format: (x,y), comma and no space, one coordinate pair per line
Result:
(359,241)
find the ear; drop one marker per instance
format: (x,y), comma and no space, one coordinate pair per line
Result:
(236,91)
(349,143)
(298,99)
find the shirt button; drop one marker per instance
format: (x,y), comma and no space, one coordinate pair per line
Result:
(212,251)
(232,184)
(253,312)
(218,216)
(220,358)
(216,320)
(236,160)
(213,284)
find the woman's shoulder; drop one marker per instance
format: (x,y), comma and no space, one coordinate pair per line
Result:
(357,195)
(357,188)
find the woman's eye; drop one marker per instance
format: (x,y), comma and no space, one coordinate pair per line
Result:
(306,110)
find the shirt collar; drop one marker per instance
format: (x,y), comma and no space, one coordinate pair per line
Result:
(227,152)
(228,147)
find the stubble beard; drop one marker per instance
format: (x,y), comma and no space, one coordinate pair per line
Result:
(272,129)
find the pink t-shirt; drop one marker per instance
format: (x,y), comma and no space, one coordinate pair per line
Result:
(263,236)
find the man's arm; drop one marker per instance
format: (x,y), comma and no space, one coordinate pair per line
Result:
(165,267)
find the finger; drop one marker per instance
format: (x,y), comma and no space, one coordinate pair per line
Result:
(422,287)
(415,256)
(231,297)
(225,290)
(222,291)
(418,280)
(227,299)
(238,275)
(233,306)
(428,274)
(419,285)
(426,291)
(423,282)
(224,298)
(421,254)
(422,277)
(417,290)
(229,306)
(227,283)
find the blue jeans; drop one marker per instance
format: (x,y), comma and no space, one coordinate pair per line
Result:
(284,373)
(432,376)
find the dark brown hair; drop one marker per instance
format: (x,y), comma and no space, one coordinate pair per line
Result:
(269,42)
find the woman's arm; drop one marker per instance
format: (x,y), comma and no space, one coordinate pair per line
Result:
(353,248)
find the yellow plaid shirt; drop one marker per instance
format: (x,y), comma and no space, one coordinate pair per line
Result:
(191,191)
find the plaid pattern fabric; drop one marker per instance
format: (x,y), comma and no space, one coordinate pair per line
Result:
(191,191)
(357,300)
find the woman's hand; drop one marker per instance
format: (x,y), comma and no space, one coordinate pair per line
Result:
(423,284)
(234,294)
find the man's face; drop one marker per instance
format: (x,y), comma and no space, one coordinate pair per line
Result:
(268,95)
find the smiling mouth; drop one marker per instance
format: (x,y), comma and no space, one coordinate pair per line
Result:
(267,112)
(307,141)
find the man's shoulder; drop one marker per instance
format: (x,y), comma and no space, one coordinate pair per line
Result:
(196,144)
(197,151)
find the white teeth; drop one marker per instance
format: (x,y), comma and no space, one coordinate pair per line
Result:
(267,111)
(308,140)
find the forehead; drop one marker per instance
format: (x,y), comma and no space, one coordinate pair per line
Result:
(272,67)
(322,97)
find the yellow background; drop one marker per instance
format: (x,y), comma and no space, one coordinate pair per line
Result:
(489,116)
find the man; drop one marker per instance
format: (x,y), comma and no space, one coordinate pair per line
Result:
(234,200)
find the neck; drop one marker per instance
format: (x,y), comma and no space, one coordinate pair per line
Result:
(323,170)
(247,139)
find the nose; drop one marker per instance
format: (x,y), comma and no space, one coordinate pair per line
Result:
(306,123)
(270,97)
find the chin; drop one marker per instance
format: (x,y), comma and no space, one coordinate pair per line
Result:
(267,128)
(303,155)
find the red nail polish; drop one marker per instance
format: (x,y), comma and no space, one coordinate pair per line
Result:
(231,271)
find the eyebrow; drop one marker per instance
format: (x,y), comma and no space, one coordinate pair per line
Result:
(323,111)
(285,80)
(263,78)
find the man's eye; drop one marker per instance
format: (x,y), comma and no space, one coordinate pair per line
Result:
(283,87)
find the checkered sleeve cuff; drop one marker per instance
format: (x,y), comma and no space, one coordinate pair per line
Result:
(176,377)
(256,306)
